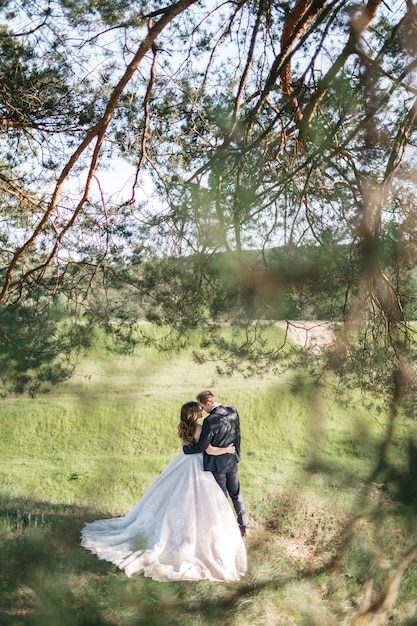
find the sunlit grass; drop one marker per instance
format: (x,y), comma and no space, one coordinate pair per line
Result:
(90,448)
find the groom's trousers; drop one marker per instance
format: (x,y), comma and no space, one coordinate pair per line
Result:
(229,482)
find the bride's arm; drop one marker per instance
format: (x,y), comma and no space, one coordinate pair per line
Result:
(213,451)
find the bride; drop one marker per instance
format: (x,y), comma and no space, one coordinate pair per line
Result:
(182,528)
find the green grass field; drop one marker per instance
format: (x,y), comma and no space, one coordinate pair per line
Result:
(322,538)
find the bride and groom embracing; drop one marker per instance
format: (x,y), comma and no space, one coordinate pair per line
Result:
(183,527)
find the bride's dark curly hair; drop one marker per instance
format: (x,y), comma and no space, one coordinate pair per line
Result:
(188,422)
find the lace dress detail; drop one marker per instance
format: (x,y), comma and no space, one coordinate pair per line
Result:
(182,528)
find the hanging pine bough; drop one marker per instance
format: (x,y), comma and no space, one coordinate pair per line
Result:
(181,152)
(208,165)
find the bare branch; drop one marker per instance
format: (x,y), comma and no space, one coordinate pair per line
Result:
(97,132)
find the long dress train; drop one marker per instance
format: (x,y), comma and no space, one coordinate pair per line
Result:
(182,528)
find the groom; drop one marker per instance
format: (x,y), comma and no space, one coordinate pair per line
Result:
(221,428)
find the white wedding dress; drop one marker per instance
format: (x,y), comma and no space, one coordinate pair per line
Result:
(182,528)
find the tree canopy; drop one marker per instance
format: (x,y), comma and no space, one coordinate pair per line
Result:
(142,142)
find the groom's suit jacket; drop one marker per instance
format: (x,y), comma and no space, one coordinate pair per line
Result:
(220,428)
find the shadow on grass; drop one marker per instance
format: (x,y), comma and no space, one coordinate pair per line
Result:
(39,554)
(297,550)
(47,579)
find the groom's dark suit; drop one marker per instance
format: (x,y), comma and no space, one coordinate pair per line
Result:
(222,428)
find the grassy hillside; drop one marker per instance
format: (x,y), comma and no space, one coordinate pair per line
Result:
(90,448)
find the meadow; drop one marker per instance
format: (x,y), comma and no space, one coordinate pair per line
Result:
(325,538)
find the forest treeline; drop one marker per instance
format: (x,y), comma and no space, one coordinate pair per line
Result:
(309,282)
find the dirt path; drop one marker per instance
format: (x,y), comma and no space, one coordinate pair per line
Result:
(314,336)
